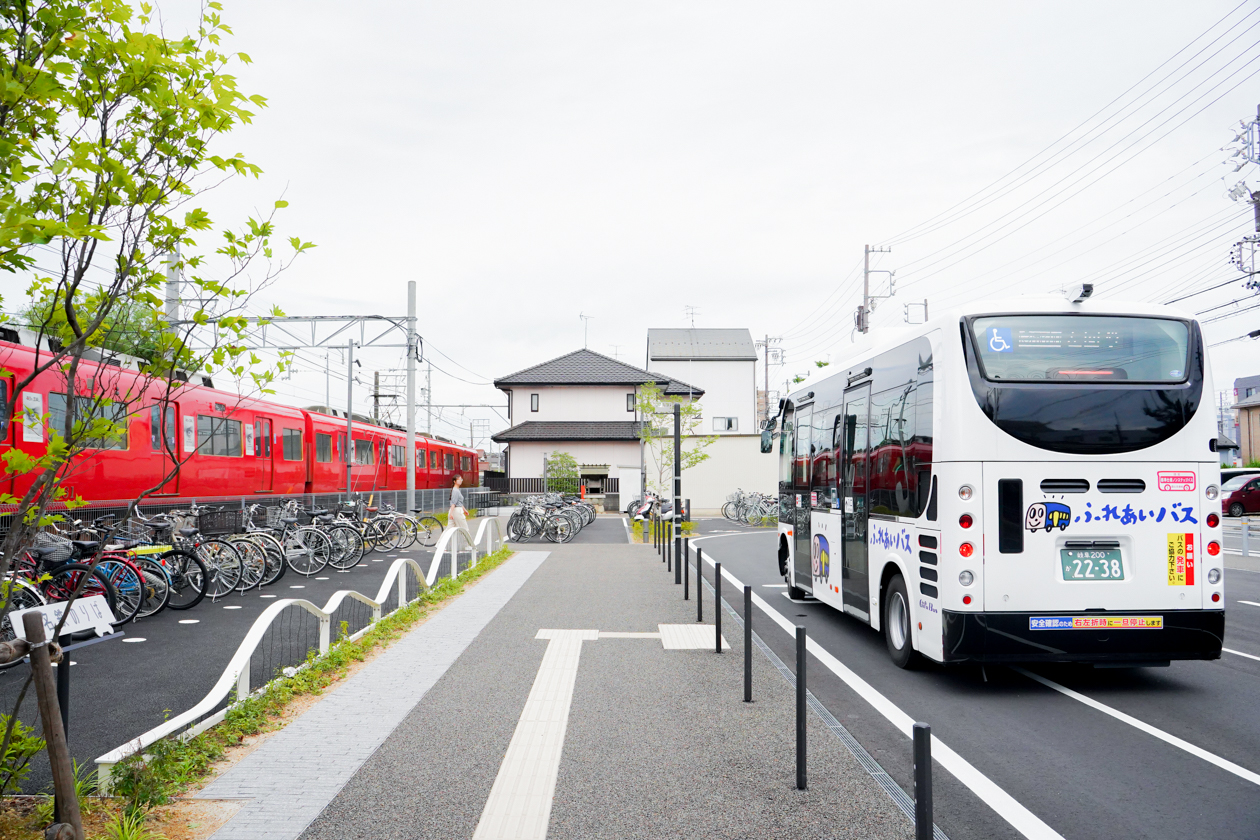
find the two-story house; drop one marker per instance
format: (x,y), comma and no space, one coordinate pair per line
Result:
(583,403)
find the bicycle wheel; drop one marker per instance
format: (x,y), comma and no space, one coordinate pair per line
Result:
(77,579)
(128,587)
(276,567)
(188,578)
(307,550)
(157,586)
(728,510)
(410,531)
(428,530)
(558,529)
(387,534)
(253,561)
(223,563)
(16,595)
(347,547)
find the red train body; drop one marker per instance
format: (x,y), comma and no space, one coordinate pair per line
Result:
(230,446)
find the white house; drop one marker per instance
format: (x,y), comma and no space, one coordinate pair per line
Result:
(582,403)
(723,363)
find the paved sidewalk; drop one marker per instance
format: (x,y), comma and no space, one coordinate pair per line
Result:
(571,681)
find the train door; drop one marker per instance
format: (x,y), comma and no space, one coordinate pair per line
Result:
(853,486)
(262,454)
(801,465)
(7,425)
(163,421)
(383,465)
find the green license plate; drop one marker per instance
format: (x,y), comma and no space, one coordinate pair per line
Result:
(1091,564)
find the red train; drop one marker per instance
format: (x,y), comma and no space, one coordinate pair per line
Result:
(233,446)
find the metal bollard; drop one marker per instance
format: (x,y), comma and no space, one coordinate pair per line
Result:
(801,781)
(699,584)
(922,781)
(1246,538)
(678,557)
(717,604)
(686,561)
(747,643)
(669,545)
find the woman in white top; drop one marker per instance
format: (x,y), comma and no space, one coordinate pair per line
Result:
(457,515)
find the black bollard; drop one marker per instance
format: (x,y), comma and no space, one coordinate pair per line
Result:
(699,584)
(922,781)
(800,708)
(717,604)
(669,545)
(686,568)
(678,556)
(747,643)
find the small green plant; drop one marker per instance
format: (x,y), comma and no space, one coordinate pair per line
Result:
(129,824)
(15,764)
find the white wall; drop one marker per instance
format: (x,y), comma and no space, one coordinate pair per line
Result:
(729,390)
(571,403)
(735,461)
(526,457)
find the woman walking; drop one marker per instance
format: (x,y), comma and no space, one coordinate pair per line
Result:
(457,515)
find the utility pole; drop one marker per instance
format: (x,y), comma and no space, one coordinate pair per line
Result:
(376,396)
(863,317)
(428,399)
(349,417)
(766,346)
(327,380)
(410,459)
(172,286)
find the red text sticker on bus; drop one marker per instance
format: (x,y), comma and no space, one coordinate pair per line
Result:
(1181,559)
(1176,481)
(813,500)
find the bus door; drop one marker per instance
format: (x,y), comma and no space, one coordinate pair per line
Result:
(802,461)
(852,462)
(262,454)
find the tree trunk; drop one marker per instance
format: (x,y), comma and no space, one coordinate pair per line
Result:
(54,734)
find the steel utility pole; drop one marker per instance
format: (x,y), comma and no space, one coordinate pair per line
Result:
(349,417)
(410,460)
(428,399)
(766,346)
(376,396)
(172,286)
(864,311)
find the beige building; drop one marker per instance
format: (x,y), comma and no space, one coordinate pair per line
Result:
(1249,428)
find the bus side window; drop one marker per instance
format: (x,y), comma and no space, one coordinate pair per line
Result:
(787,446)
(824,468)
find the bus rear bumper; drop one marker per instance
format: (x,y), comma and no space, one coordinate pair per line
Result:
(1008,637)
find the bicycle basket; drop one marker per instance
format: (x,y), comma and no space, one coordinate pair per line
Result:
(216,522)
(64,549)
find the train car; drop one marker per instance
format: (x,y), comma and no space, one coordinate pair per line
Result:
(229,445)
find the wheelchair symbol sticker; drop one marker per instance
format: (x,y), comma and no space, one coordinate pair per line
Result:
(1000,340)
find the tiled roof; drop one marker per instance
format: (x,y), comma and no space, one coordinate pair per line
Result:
(1250,402)
(700,345)
(570,430)
(586,367)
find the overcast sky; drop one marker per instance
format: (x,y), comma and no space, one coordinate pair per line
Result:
(528,162)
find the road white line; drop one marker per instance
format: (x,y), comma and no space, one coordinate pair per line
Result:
(1211,758)
(1006,806)
(1250,603)
(519,806)
(1227,650)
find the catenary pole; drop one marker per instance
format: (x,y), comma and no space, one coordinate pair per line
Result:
(677,519)
(410,460)
(349,416)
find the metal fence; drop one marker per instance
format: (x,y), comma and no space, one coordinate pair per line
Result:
(597,486)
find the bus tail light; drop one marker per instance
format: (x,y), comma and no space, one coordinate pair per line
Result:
(965,520)
(1214,576)
(966,549)
(1216,597)
(1213,520)
(966,599)
(1214,548)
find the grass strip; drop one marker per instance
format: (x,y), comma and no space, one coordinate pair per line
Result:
(170,765)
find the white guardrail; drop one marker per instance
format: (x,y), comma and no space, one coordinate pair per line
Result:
(236,675)
(1246,532)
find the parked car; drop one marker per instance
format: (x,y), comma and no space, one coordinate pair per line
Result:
(1234,472)
(1241,495)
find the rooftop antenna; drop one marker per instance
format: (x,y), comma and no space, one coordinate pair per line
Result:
(586,326)
(616,348)
(690,312)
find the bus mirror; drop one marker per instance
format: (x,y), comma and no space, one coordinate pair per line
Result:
(767,441)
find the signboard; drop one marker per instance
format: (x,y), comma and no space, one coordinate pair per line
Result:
(32,417)
(1176,481)
(190,434)
(91,613)
(1181,559)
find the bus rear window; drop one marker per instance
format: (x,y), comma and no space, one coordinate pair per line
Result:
(1081,348)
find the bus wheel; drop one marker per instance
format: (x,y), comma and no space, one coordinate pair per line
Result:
(897,623)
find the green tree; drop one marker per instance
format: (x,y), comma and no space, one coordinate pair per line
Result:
(561,473)
(657,434)
(108,140)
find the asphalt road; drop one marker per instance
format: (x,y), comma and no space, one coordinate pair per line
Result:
(1083,772)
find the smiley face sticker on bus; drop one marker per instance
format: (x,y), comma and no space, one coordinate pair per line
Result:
(1046,516)
(820,555)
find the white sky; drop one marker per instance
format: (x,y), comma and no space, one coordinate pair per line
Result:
(525,163)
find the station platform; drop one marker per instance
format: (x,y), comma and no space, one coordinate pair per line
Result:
(570,693)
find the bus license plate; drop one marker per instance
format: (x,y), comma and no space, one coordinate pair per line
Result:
(1091,564)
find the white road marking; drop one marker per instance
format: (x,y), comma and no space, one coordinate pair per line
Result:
(266,596)
(626,524)
(1211,758)
(135,639)
(1227,650)
(519,806)
(190,621)
(1005,805)
(785,595)
(1250,603)
(321,578)
(689,637)
(297,586)
(231,608)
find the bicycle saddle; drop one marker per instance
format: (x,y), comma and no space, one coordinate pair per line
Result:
(43,552)
(324,518)
(189,532)
(83,547)
(372,509)
(289,520)
(319,512)
(156,526)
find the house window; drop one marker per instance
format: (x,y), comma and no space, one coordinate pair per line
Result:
(725,424)
(218,436)
(323,448)
(533,402)
(364,452)
(292,440)
(629,402)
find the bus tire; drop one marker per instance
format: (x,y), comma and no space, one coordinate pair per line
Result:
(897,633)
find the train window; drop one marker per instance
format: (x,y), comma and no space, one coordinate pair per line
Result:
(323,448)
(6,410)
(465,463)
(155,428)
(398,455)
(341,448)
(218,436)
(87,410)
(433,459)
(364,452)
(450,460)
(420,459)
(292,442)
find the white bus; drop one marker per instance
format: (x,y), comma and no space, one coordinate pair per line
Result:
(1031,480)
